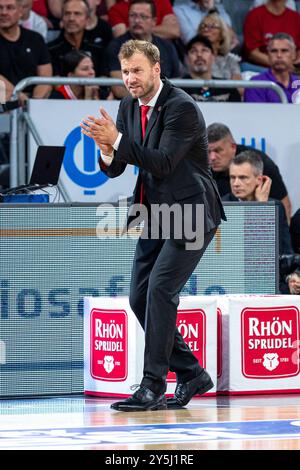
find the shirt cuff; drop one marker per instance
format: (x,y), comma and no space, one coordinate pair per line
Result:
(107,159)
(117,141)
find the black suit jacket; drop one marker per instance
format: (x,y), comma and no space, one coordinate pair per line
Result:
(172,157)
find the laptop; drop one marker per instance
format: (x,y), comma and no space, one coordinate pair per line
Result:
(45,171)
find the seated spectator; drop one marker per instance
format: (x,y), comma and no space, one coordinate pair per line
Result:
(74,36)
(293,281)
(191,13)
(31,20)
(199,60)
(262,23)
(79,64)
(281,51)
(289,265)
(23,53)
(166,23)
(99,30)
(226,64)
(141,23)
(248,183)
(222,150)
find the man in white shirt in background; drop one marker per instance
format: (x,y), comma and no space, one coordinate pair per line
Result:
(190,13)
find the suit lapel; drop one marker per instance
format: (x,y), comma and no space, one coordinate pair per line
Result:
(151,122)
(137,130)
(157,108)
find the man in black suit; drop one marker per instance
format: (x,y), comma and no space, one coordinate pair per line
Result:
(173,160)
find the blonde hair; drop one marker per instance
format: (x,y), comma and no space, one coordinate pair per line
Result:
(134,46)
(225,42)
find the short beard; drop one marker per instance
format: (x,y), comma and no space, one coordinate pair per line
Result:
(280,67)
(147,92)
(197,69)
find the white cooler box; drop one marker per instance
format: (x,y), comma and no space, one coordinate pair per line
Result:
(259,340)
(113,347)
(114,343)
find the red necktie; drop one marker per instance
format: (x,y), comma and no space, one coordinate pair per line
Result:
(144,119)
(144,122)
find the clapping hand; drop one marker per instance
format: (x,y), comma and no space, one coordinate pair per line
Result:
(102,130)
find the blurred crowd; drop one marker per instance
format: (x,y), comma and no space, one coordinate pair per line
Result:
(197,39)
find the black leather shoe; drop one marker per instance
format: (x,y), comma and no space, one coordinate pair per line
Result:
(142,400)
(185,391)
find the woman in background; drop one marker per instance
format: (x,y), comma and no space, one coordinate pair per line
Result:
(226,65)
(79,64)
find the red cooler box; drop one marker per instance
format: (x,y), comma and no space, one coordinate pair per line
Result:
(260,344)
(114,342)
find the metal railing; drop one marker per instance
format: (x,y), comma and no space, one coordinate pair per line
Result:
(20,117)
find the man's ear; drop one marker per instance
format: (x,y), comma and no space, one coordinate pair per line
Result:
(157,68)
(259,179)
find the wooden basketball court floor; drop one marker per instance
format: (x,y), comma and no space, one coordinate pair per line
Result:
(207,423)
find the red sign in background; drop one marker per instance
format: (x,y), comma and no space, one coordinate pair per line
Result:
(109,344)
(191,323)
(269,339)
